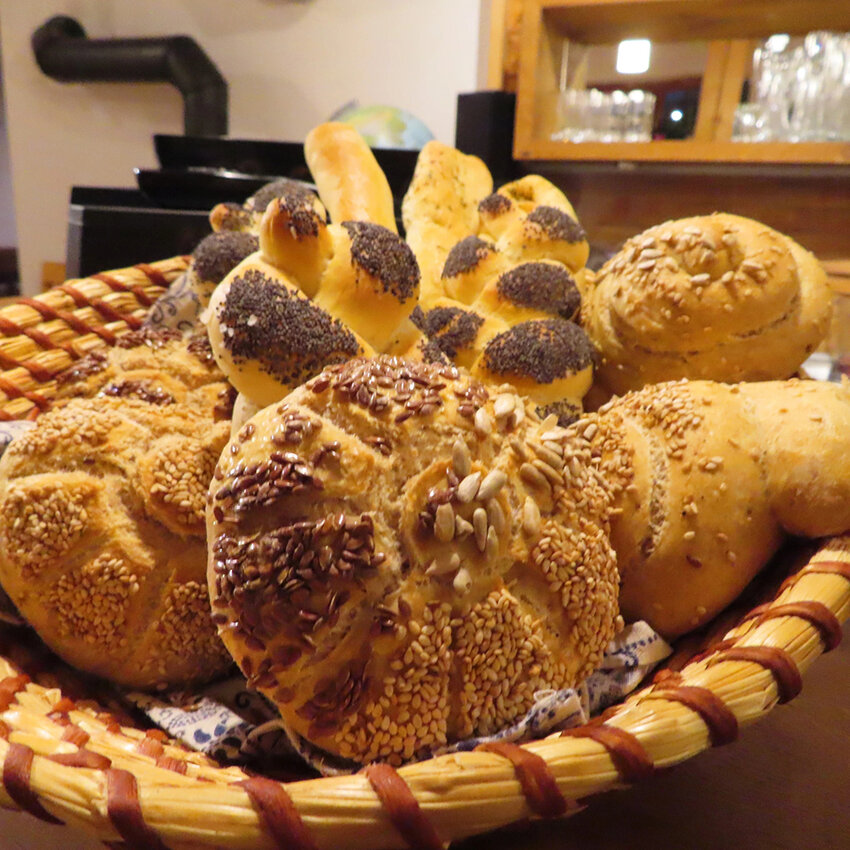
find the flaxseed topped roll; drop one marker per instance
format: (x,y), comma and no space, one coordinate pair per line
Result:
(400,558)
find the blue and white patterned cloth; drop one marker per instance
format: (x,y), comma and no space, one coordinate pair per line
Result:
(233,724)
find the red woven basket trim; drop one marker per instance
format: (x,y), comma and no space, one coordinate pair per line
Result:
(278,814)
(76,735)
(49,313)
(117,286)
(171,763)
(815,613)
(535,778)
(38,372)
(630,759)
(82,758)
(841,568)
(721,723)
(150,747)
(402,807)
(74,294)
(777,661)
(154,275)
(9,688)
(16,779)
(44,310)
(111,314)
(63,705)
(125,812)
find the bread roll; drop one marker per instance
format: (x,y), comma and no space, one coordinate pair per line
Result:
(401,558)
(214,257)
(709,479)
(440,208)
(268,337)
(719,297)
(246,217)
(102,536)
(348,177)
(159,366)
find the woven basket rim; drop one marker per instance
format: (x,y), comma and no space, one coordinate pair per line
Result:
(68,761)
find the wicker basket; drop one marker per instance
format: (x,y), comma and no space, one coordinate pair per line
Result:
(69,758)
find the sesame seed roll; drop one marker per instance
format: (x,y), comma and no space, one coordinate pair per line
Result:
(401,558)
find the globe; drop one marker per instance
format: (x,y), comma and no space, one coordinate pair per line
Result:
(385,126)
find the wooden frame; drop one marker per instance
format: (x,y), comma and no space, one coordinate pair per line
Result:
(731,28)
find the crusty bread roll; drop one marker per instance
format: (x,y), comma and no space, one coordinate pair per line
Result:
(719,297)
(400,558)
(440,208)
(350,182)
(710,477)
(102,535)
(268,337)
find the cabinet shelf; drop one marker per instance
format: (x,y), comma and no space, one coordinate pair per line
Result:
(730,29)
(687,150)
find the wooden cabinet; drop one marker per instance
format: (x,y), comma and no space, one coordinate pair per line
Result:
(732,28)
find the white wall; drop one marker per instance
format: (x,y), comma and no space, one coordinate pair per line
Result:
(289,64)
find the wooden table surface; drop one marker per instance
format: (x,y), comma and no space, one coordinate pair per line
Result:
(781,786)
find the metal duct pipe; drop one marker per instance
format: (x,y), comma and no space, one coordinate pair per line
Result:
(65,53)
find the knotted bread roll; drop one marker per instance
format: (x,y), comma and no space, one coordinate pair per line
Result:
(719,297)
(268,336)
(401,558)
(317,293)
(709,479)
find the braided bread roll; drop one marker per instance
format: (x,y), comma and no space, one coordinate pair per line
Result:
(507,306)
(709,478)
(360,272)
(214,257)
(400,558)
(719,297)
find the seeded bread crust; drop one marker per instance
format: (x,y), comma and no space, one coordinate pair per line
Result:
(102,537)
(400,558)
(708,479)
(716,297)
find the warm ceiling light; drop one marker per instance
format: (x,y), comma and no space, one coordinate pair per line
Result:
(633,56)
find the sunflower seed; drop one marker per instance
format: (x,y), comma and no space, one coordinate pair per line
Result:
(530,516)
(461,460)
(491,485)
(462,527)
(496,515)
(483,423)
(492,543)
(442,565)
(444,523)
(479,525)
(503,405)
(467,488)
(462,581)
